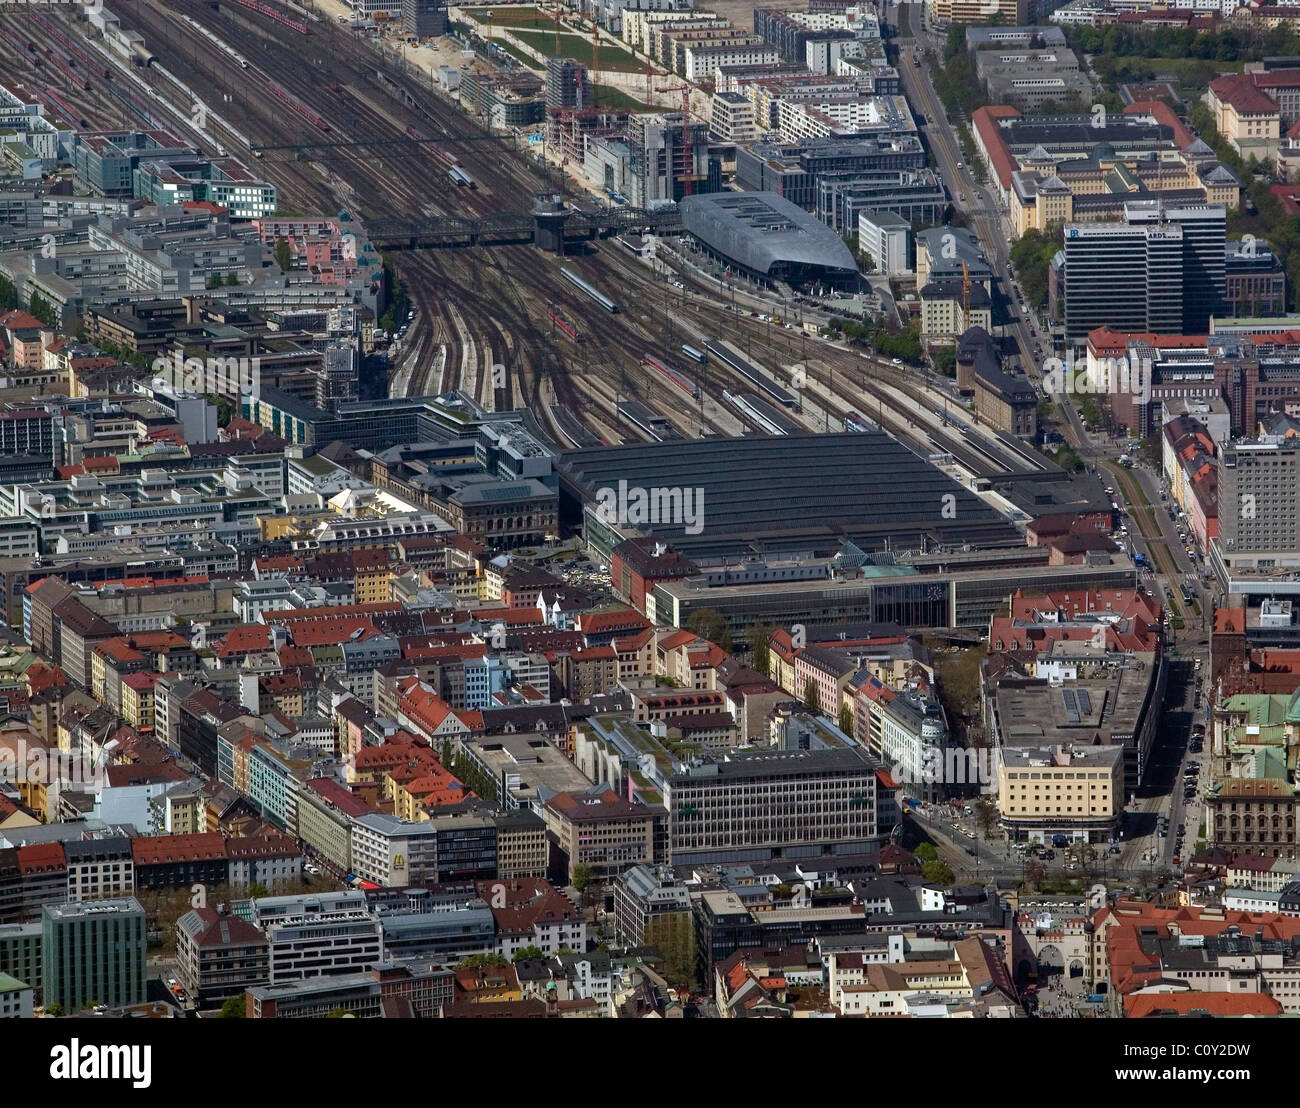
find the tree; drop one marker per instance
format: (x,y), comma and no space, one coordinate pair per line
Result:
(582,876)
(759,635)
(283,254)
(846,719)
(937,873)
(526,952)
(1035,873)
(43,310)
(811,698)
(673,935)
(986,815)
(54,1010)
(958,674)
(233,1009)
(926,852)
(482,961)
(710,624)
(257,889)
(232,279)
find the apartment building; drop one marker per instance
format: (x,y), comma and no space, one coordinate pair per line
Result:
(100,869)
(219,955)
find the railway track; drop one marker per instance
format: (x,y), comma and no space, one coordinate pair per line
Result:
(465,301)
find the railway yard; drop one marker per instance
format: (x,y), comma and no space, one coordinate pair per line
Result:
(500,323)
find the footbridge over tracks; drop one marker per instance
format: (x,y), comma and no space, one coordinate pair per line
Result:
(539,226)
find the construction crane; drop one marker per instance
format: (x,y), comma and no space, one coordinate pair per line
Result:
(687,147)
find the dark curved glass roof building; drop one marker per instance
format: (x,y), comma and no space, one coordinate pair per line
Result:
(769,239)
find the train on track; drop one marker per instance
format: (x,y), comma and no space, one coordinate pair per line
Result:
(590,290)
(64,64)
(233,54)
(732,359)
(855,422)
(272,13)
(19,42)
(297,106)
(683,383)
(63,108)
(694,354)
(77,55)
(763,415)
(553,314)
(461,178)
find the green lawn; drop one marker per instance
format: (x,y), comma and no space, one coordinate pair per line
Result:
(511,17)
(1192,73)
(527,61)
(576,46)
(609,97)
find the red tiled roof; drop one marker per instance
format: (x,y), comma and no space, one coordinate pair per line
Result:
(343,799)
(1230,621)
(155,850)
(1164,115)
(1214,1004)
(41,858)
(1240,91)
(985,121)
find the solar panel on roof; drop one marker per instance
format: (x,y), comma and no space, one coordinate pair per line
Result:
(1085,702)
(1071,711)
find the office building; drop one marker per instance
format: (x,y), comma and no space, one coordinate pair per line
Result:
(1259,503)
(757,804)
(567,87)
(329,933)
(1161,270)
(887,238)
(424,18)
(93,952)
(667,160)
(1076,792)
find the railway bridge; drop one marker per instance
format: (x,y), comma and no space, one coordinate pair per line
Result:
(548,219)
